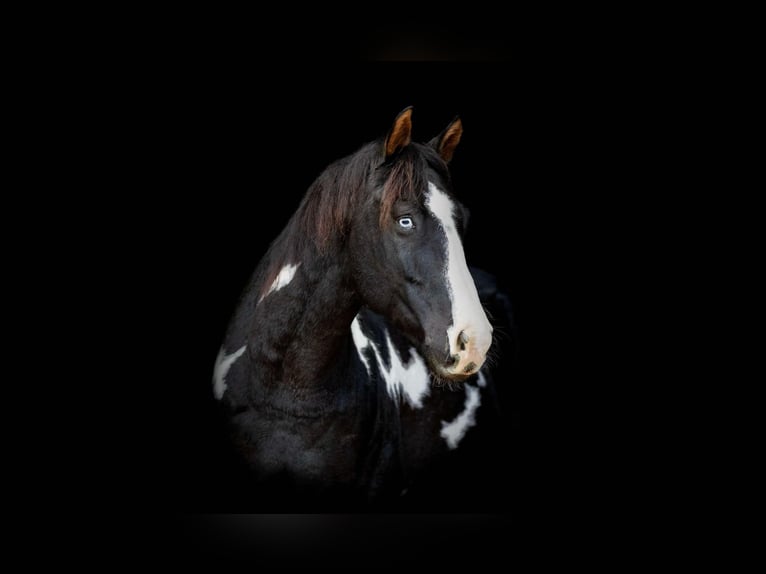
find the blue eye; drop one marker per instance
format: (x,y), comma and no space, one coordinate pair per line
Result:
(406,222)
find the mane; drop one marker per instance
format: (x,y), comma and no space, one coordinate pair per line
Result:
(344,186)
(347,185)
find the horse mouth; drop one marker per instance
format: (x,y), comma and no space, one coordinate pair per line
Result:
(454,377)
(439,373)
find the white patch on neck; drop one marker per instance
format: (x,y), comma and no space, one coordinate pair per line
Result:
(412,377)
(409,380)
(466,306)
(361,342)
(284,277)
(222,365)
(454,432)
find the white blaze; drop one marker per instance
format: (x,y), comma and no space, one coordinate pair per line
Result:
(222,365)
(284,277)
(467,311)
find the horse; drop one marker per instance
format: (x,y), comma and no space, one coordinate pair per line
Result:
(359,359)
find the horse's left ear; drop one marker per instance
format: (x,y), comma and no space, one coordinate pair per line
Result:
(446,142)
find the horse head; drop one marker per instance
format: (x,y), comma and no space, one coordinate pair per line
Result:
(405,244)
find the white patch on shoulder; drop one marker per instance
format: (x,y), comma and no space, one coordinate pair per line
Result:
(409,379)
(283,278)
(222,365)
(454,432)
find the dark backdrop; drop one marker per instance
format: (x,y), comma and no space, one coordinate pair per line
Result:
(209,167)
(236,160)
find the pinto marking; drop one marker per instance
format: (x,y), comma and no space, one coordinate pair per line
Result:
(409,379)
(222,365)
(361,342)
(453,432)
(283,278)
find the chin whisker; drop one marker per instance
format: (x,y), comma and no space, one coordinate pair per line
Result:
(443,383)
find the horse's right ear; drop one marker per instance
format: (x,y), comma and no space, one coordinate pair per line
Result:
(400,134)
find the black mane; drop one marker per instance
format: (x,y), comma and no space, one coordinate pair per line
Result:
(325,212)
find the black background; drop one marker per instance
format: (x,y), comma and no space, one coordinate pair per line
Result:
(241,168)
(160,156)
(251,165)
(204,169)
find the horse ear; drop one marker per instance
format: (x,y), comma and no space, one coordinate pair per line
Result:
(400,134)
(446,142)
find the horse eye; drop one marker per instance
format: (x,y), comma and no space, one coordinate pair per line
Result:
(406,222)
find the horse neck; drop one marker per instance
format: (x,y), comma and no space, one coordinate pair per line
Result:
(302,324)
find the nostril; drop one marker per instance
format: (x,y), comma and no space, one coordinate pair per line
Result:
(452,360)
(462,340)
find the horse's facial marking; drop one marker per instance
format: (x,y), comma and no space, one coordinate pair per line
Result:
(409,379)
(453,432)
(222,365)
(283,278)
(470,334)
